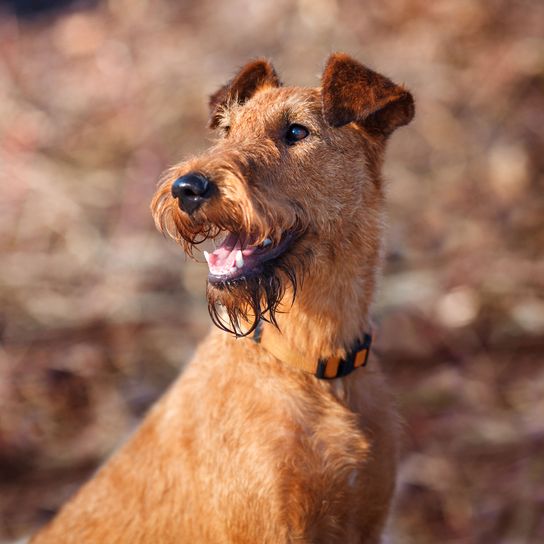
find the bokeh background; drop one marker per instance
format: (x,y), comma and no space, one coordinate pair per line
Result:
(98,313)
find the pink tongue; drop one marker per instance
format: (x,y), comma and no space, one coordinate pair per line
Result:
(224,256)
(223,260)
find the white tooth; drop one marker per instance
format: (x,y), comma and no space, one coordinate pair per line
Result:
(239,259)
(207,256)
(267,242)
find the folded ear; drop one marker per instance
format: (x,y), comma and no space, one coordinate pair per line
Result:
(354,93)
(252,77)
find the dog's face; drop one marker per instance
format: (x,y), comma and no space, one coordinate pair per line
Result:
(291,169)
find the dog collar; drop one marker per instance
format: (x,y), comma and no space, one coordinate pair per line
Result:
(326,369)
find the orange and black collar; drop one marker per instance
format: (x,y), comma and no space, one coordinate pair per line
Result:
(329,368)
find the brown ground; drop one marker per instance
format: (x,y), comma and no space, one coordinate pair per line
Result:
(97,312)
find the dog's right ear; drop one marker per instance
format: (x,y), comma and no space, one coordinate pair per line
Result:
(354,93)
(252,77)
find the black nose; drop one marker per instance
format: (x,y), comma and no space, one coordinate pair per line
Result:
(191,190)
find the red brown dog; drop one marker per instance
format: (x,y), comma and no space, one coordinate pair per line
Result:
(277,431)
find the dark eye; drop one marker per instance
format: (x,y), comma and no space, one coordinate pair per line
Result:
(295,133)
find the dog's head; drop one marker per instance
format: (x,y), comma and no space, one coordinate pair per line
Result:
(293,174)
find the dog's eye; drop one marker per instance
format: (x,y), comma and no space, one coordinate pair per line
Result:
(295,133)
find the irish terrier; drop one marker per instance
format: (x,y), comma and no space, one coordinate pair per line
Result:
(274,433)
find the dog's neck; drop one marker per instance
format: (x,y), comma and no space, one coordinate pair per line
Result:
(329,331)
(331,310)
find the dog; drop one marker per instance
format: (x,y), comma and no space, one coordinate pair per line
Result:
(279,431)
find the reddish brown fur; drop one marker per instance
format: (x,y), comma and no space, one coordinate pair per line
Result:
(253,76)
(352,92)
(244,448)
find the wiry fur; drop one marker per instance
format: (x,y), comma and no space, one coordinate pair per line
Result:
(243,448)
(238,306)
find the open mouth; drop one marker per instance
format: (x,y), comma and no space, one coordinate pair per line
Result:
(237,258)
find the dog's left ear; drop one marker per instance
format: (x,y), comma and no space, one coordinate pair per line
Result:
(252,77)
(354,93)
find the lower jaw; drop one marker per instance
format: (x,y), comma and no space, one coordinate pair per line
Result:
(243,275)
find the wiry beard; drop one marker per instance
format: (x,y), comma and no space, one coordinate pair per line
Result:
(237,306)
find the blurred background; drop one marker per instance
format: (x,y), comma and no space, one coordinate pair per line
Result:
(98,312)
